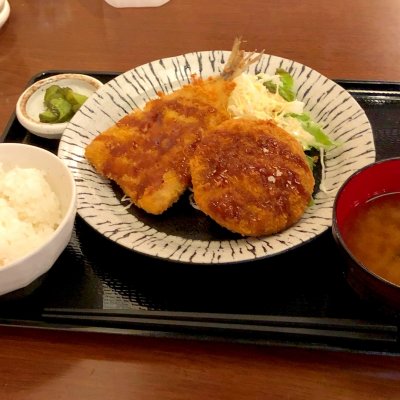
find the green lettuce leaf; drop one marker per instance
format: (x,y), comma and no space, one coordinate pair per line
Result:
(312,127)
(285,89)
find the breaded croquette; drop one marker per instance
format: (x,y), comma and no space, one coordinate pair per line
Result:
(251,177)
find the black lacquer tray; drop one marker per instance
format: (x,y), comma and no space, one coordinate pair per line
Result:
(299,298)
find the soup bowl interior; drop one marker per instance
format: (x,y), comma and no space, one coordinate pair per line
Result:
(377,179)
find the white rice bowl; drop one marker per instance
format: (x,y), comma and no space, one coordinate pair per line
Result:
(29,212)
(37,213)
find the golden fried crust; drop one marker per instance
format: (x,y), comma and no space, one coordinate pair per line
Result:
(251,177)
(147,152)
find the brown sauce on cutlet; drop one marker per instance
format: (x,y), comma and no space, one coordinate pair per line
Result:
(159,142)
(258,156)
(227,208)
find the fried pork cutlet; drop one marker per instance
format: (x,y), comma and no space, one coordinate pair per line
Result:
(251,177)
(147,152)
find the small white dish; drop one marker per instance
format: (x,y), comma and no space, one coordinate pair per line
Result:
(4,11)
(31,102)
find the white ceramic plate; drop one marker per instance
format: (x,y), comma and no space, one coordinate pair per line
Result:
(183,234)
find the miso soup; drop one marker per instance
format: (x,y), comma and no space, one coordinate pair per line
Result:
(372,234)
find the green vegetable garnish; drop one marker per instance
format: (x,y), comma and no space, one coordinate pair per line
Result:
(312,127)
(61,104)
(285,89)
(270,86)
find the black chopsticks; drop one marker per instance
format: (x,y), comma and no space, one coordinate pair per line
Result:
(344,329)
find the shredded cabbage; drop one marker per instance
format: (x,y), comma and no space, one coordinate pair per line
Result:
(273,97)
(265,96)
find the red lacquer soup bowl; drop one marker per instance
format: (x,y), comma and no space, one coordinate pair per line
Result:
(366,227)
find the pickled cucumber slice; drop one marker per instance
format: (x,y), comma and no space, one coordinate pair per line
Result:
(48,116)
(62,108)
(75,98)
(61,104)
(52,92)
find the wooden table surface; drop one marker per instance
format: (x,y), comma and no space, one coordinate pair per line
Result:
(356,39)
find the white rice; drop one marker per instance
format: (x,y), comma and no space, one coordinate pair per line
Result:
(29,212)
